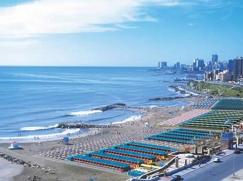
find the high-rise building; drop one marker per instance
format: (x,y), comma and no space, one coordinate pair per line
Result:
(198,65)
(238,68)
(201,64)
(230,65)
(222,66)
(209,66)
(177,66)
(215,58)
(162,65)
(185,68)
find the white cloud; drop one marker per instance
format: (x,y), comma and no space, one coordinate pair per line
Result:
(18,43)
(72,16)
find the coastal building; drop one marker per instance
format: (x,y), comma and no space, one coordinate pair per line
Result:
(209,66)
(223,71)
(198,65)
(177,66)
(185,68)
(215,64)
(222,66)
(218,75)
(237,68)
(162,65)
(215,58)
(223,76)
(194,67)
(209,76)
(230,66)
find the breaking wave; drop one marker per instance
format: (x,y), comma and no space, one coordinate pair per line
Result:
(84,113)
(130,119)
(39,128)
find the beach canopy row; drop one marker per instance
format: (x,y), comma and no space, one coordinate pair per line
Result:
(101,154)
(216,119)
(229,104)
(183,136)
(100,162)
(125,156)
(141,150)
(154,147)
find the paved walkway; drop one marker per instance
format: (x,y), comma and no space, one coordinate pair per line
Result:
(184,117)
(238,176)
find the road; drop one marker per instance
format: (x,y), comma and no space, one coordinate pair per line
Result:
(217,171)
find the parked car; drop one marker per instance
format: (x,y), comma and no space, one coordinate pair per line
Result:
(216,160)
(177,178)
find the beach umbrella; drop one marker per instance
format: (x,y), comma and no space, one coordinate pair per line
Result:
(66,140)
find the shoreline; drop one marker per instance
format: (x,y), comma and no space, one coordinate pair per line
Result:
(49,154)
(73,133)
(77,132)
(39,133)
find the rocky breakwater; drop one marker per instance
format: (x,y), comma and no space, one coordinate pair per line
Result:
(72,125)
(110,107)
(166,98)
(184,92)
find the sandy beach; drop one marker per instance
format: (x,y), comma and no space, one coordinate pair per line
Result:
(50,155)
(9,170)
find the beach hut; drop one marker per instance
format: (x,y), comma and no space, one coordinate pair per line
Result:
(15,146)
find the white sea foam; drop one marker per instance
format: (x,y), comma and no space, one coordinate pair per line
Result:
(84,113)
(38,128)
(187,95)
(153,106)
(187,91)
(171,90)
(40,138)
(130,119)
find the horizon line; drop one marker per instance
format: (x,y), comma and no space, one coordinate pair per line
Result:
(91,66)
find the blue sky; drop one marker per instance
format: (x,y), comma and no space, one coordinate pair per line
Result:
(118,33)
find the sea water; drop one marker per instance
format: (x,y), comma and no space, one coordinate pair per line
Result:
(33,100)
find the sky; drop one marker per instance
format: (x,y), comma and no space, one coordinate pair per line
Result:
(118,32)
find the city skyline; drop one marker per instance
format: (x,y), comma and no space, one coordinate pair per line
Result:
(113,33)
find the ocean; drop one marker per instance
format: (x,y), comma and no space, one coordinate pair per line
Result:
(33,100)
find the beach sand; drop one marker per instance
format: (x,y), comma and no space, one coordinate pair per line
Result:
(9,170)
(49,154)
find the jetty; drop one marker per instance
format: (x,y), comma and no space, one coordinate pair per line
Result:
(112,106)
(83,125)
(168,98)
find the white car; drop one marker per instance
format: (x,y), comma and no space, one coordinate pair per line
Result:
(216,160)
(189,155)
